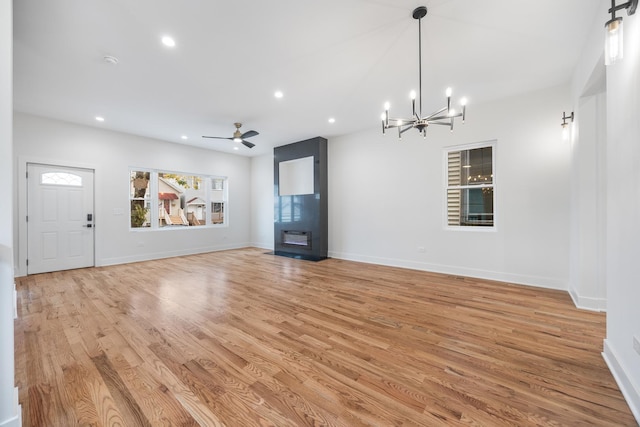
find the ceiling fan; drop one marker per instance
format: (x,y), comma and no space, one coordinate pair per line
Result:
(238,136)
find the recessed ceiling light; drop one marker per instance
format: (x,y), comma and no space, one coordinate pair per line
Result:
(332,120)
(110,59)
(100,119)
(278,94)
(235,148)
(184,137)
(168,41)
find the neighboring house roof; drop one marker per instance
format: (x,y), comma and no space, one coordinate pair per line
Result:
(167,196)
(196,201)
(172,184)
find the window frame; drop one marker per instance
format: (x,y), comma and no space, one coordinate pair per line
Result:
(465,147)
(154,199)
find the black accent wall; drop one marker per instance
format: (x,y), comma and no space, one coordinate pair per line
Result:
(301,225)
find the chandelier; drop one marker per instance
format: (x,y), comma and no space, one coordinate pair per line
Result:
(444,116)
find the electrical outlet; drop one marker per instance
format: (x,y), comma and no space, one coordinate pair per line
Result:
(421,249)
(636,344)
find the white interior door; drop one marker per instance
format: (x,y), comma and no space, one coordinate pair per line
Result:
(60,226)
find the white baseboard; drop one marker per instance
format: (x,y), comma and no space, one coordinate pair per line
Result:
(541,282)
(629,391)
(587,303)
(266,246)
(15,301)
(15,421)
(166,254)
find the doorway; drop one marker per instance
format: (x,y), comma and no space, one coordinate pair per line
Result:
(60,219)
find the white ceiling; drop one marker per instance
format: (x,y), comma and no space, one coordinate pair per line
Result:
(331,58)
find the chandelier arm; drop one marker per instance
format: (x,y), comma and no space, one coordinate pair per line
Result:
(440,123)
(396,119)
(445,117)
(394,123)
(405,129)
(435,113)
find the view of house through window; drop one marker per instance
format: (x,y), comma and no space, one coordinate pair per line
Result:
(168,199)
(181,200)
(470,187)
(217,201)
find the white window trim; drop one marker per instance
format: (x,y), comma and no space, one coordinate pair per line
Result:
(445,179)
(153,189)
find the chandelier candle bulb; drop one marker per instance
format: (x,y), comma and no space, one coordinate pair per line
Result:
(463,102)
(412,95)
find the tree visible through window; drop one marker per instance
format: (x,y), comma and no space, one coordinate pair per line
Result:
(470,187)
(139,198)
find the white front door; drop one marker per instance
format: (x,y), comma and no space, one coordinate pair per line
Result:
(59,218)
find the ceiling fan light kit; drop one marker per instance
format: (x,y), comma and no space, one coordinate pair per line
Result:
(238,136)
(444,116)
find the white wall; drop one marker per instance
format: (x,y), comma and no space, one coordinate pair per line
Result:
(262,199)
(386,197)
(588,203)
(623,215)
(10,413)
(618,205)
(111,154)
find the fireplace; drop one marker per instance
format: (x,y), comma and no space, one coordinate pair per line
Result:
(297,239)
(300,200)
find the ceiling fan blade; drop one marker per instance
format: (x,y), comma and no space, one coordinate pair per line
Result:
(215,137)
(248,144)
(249,134)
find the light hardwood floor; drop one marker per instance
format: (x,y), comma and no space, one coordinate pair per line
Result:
(243,338)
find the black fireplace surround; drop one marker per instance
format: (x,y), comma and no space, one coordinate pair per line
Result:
(300,223)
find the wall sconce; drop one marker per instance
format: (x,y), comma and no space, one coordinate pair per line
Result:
(566,126)
(613,47)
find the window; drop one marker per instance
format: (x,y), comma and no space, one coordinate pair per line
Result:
(139,199)
(181,200)
(61,178)
(470,186)
(178,200)
(218,198)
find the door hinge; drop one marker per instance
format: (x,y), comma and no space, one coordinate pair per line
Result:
(27,174)
(27,262)
(27,218)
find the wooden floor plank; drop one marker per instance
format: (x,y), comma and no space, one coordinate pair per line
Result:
(244,338)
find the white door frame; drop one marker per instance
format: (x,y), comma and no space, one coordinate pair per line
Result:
(20,236)
(60,232)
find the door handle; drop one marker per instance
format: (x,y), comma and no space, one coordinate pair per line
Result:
(88,225)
